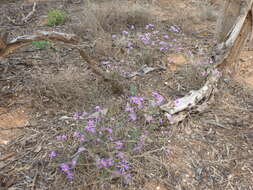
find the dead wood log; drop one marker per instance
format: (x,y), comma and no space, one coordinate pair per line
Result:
(8,47)
(3,39)
(226,56)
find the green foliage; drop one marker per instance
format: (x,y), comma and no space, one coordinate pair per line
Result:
(41,44)
(133,90)
(56,17)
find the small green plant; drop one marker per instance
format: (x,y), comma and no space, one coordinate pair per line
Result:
(41,44)
(56,17)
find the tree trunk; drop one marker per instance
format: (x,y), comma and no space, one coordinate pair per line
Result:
(233,29)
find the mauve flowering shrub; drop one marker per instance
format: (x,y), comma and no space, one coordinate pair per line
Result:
(107,145)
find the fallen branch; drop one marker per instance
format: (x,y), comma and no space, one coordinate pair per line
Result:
(3,39)
(194,97)
(226,55)
(9,47)
(46,35)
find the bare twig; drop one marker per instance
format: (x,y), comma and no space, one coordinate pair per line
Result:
(20,41)
(30,14)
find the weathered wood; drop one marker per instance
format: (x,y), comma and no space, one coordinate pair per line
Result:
(226,56)
(227,17)
(3,39)
(20,41)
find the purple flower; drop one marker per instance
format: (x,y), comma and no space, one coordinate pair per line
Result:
(162,43)
(121,155)
(61,137)
(70,175)
(118,145)
(91,129)
(91,126)
(125,32)
(130,45)
(137,100)
(156,32)
(52,154)
(132,27)
(123,166)
(174,29)
(64,167)
(109,130)
(129,108)
(148,26)
(166,36)
(82,137)
(81,149)
(133,116)
(98,108)
(164,48)
(159,98)
(145,38)
(105,162)
(78,135)
(114,36)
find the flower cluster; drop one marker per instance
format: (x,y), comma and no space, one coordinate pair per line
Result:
(62,137)
(138,101)
(104,162)
(159,98)
(174,29)
(149,26)
(65,167)
(145,38)
(91,126)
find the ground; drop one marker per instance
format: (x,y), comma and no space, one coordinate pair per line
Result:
(49,93)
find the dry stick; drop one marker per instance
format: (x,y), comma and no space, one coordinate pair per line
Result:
(40,35)
(3,39)
(234,43)
(30,14)
(117,87)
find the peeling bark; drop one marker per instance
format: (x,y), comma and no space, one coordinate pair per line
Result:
(226,57)
(7,48)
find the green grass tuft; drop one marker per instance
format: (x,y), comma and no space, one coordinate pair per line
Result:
(41,44)
(56,17)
